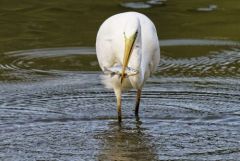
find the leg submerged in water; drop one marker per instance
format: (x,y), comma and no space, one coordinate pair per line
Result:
(118,94)
(138,98)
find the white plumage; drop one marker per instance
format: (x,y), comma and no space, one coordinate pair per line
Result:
(130,40)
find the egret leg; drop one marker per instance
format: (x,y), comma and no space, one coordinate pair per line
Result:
(139,91)
(118,94)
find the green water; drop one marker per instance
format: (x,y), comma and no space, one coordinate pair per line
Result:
(40,24)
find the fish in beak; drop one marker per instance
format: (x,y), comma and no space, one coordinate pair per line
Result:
(129,43)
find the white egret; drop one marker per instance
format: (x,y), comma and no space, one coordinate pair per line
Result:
(128,52)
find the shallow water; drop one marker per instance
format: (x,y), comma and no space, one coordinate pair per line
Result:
(54,107)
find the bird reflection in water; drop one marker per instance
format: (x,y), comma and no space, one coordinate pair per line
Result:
(126,142)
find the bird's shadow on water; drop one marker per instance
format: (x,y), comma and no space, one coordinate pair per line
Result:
(126,141)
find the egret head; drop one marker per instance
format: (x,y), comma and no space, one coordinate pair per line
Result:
(130,35)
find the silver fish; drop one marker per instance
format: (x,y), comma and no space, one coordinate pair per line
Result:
(117,70)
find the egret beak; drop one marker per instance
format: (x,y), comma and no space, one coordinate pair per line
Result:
(129,42)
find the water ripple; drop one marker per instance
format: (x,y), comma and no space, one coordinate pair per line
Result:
(34,64)
(72,116)
(223,63)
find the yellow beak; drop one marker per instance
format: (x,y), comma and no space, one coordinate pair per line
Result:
(129,42)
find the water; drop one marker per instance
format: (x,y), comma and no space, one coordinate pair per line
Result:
(54,107)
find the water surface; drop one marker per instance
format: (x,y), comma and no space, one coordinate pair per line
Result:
(54,107)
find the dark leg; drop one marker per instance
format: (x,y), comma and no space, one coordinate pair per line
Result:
(139,91)
(119,104)
(119,109)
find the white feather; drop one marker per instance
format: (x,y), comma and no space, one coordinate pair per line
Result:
(110,44)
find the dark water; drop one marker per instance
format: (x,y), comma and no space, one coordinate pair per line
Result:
(54,107)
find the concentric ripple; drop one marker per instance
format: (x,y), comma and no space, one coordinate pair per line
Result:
(74,117)
(224,63)
(30,65)
(34,64)
(60,109)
